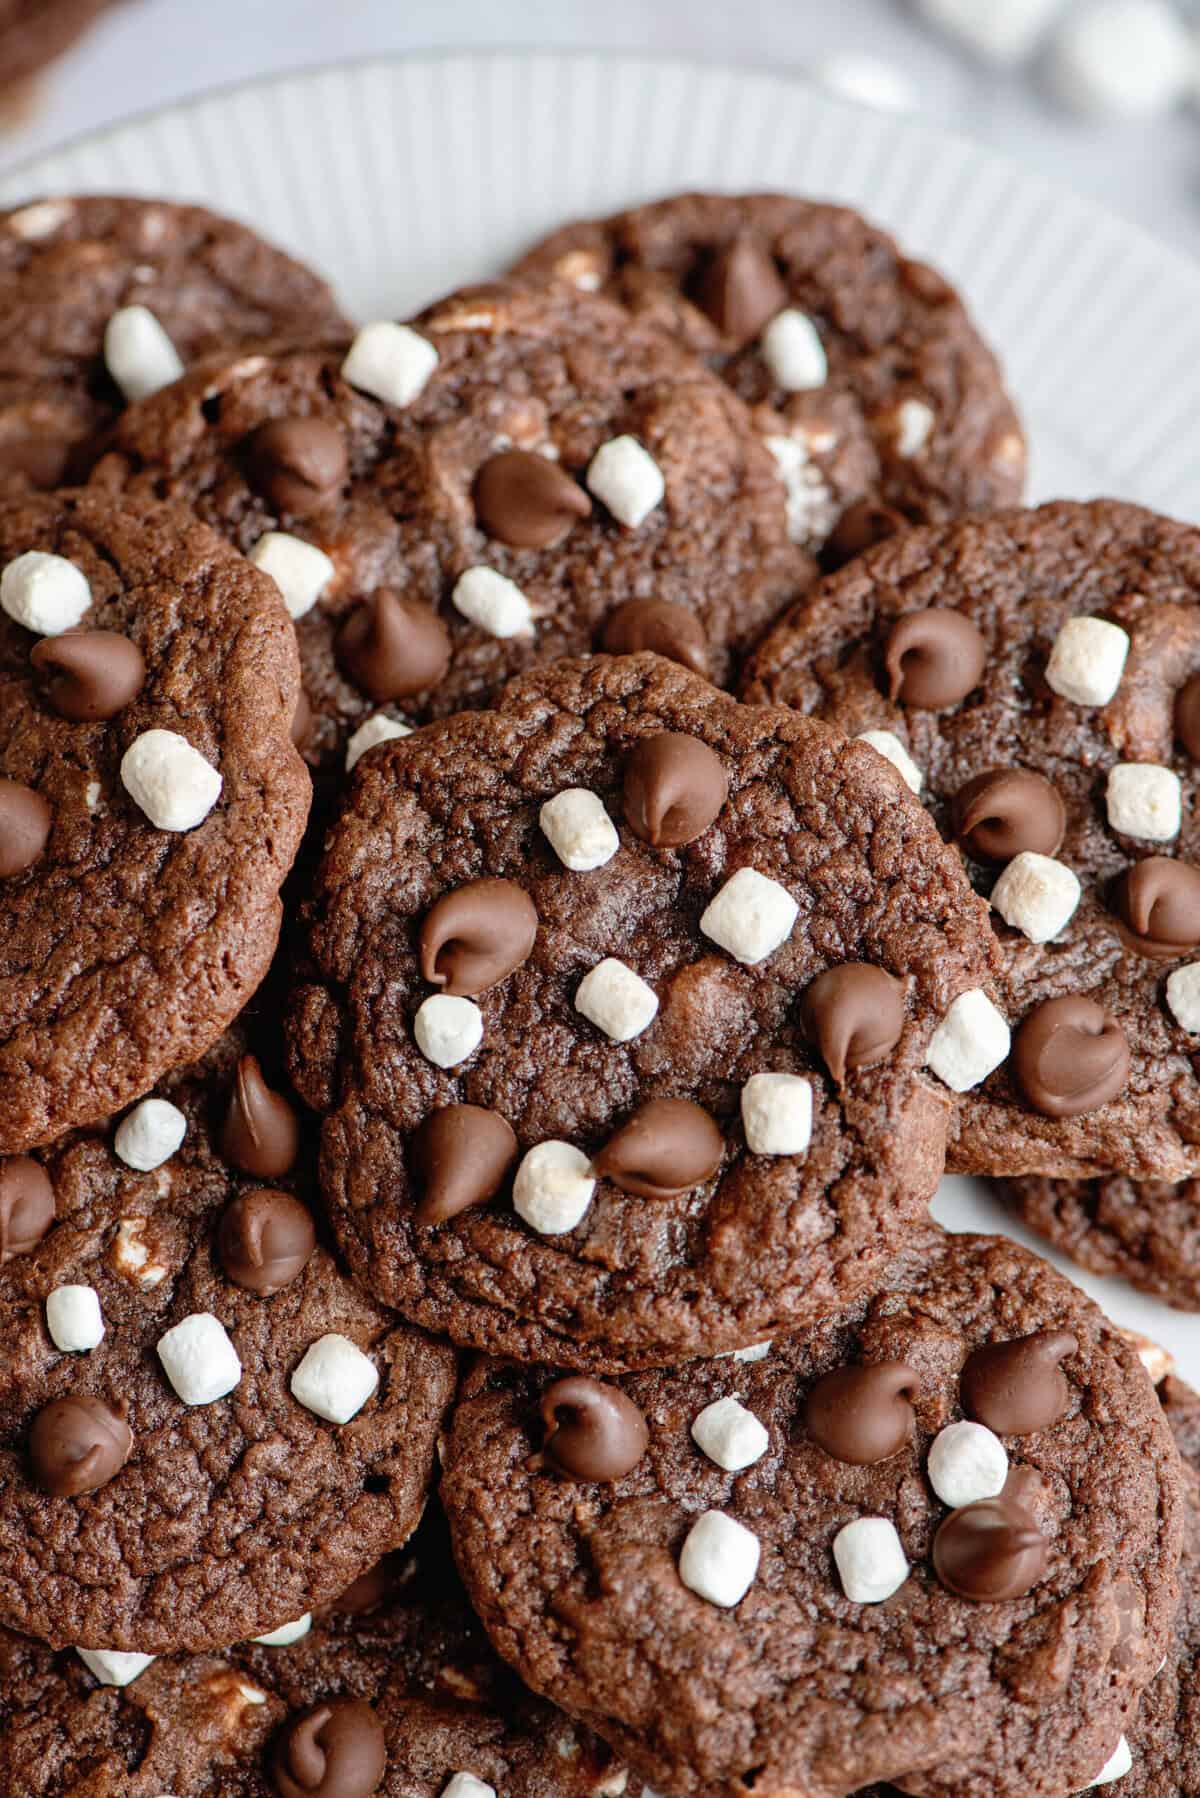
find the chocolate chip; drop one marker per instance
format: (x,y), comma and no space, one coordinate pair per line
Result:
(594,1431)
(1157,904)
(476,936)
(1130,1603)
(370,1589)
(76,1445)
(461,1155)
(1187,716)
(1018,1387)
(933,658)
(859,529)
(334,1750)
(298,464)
(89,675)
(264,1240)
(1070,1056)
(855,1015)
(666,1147)
(260,1134)
(24,827)
(990,1551)
(526,500)
(741,289)
(26,1205)
(862,1414)
(675,786)
(662,626)
(302,720)
(42,460)
(393,647)
(1007,811)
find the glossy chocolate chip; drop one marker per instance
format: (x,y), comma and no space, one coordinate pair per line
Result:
(1187,716)
(933,658)
(666,1147)
(264,1240)
(461,1155)
(527,501)
(1018,1387)
(88,676)
(333,1750)
(302,720)
(24,827)
(593,1431)
(26,1205)
(859,529)
(855,1016)
(1157,904)
(260,1134)
(370,1589)
(298,464)
(392,647)
(1070,1056)
(741,289)
(77,1445)
(662,626)
(675,786)
(476,936)
(990,1551)
(1007,811)
(862,1414)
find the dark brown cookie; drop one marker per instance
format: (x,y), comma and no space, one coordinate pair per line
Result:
(1145,1231)
(1037,669)
(632,1230)
(34,33)
(205,1429)
(695,1607)
(875,392)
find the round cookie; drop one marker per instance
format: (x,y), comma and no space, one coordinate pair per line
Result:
(1052,652)
(875,392)
(691,1600)
(628,1019)
(204,1427)
(486,489)
(1145,1231)
(151,800)
(69,264)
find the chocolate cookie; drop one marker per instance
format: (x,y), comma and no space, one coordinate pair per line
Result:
(514,477)
(36,32)
(205,1429)
(1038,673)
(103,300)
(1145,1231)
(933,1540)
(619,1004)
(874,391)
(150,800)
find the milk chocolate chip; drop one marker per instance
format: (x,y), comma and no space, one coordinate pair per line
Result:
(392,647)
(264,1240)
(76,1445)
(855,1016)
(527,500)
(1187,716)
(87,676)
(1069,1056)
(26,1205)
(859,529)
(260,1134)
(1001,814)
(1157,904)
(675,786)
(666,1147)
(933,658)
(476,936)
(741,289)
(990,1551)
(862,1414)
(298,464)
(334,1750)
(24,827)
(461,1155)
(662,626)
(1018,1387)
(594,1431)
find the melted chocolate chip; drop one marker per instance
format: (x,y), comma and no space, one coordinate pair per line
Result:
(933,658)
(370,1589)
(1018,1387)
(476,936)
(859,529)
(26,1205)
(741,289)
(675,786)
(298,464)
(333,1750)
(392,647)
(264,1240)
(1157,905)
(260,1134)
(461,1155)
(990,1551)
(862,1414)
(77,1445)
(1187,716)
(87,676)
(1069,1056)
(527,501)
(24,827)
(594,1431)
(1001,814)
(662,626)
(855,1015)
(666,1147)
(302,720)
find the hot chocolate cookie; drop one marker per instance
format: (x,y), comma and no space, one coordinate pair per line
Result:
(1144,1231)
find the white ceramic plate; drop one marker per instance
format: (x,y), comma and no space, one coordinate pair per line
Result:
(403,178)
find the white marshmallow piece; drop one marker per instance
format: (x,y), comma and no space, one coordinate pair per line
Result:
(1127,59)
(492,603)
(465,1785)
(45,593)
(972,1039)
(870,1560)
(1037,895)
(777,1114)
(74,1319)
(1145,800)
(553,1187)
(1087,661)
(719,1559)
(998,31)
(792,349)
(111,1667)
(379,728)
(300,570)
(757,1351)
(335,1379)
(625,477)
(149,1134)
(616,1000)
(1183,996)
(914,427)
(856,76)
(448,1029)
(809,505)
(750,916)
(390,362)
(966,1462)
(199,1359)
(889,746)
(287,1633)
(1118,1764)
(138,354)
(579,830)
(730,1435)
(173,783)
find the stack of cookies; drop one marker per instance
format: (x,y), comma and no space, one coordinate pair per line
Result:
(530,838)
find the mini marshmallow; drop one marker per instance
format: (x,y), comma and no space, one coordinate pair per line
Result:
(335,1379)
(493,603)
(750,916)
(173,783)
(1037,895)
(41,219)
(999,31)
(1118,1764)
(616,1000)
(866,79)
(1088,660)
(757,1351)
(971,1040)
(379,728)
(553,1187)
(448,1029)
(138,354)
(889,746)
(391,362)
(870,1560)
(730,1435)
(1183,996)
(45,593)
(719,1559)
(1145,800)
(914,427)
(777,1113)
(465,1785)
(300,570)
(113,1668)
(149,1134)
(74,1319)
(1124,60)
(966,1462)
(580,831)
(625,477)
(199,1359)
(809,503)
(792,349)
(287,1633)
